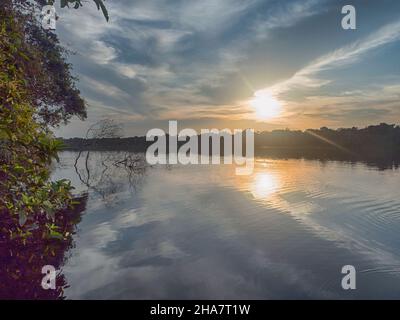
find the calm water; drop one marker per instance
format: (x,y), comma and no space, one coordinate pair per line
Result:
(201,232)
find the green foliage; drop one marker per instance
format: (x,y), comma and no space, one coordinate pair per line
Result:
(100,5)
(76,4)
(27,148)
(37,91)
(50,84)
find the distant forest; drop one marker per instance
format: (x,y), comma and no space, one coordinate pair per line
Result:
(375,143)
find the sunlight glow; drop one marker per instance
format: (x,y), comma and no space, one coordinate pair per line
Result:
(265,184)
(265,105)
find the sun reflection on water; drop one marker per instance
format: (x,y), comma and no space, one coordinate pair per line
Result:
(264,185)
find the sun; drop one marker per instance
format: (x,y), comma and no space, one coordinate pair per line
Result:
(265,105)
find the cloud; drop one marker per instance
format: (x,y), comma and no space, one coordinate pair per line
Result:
(202,59)
(287,15)
(210,16)
(101,53)
(176,54)
(337,59)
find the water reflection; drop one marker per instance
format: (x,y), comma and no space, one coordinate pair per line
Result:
(201,232)
(106,173)
(21,263)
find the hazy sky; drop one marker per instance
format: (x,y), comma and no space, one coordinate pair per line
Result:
(203,62)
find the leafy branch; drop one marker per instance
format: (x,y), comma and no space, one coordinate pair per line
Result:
(78,3)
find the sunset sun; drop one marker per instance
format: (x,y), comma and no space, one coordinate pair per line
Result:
(265,106)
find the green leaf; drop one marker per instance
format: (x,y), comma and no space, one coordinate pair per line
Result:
(56,235)
(100,5)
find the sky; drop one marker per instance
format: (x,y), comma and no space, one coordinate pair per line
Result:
(261,64)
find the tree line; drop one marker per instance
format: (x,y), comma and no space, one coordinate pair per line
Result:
(381,140)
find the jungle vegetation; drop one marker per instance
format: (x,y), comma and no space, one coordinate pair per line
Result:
(37,93)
